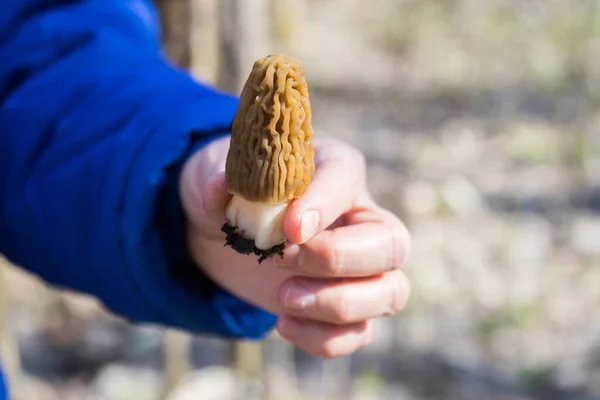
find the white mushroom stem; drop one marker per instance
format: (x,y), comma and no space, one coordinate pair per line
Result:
(261,222)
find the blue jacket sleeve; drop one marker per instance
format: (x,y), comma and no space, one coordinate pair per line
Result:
(94,126)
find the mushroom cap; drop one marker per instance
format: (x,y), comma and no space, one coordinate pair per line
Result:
(271,153)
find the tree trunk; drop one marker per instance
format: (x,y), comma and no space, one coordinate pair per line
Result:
(176,20)
(204,40)
(244,37)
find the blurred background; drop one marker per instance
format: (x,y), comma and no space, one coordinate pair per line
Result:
(480,121)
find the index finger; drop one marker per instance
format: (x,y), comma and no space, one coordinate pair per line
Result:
(338,181)
(352,251)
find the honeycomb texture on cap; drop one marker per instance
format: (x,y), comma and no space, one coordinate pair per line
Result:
(271,153)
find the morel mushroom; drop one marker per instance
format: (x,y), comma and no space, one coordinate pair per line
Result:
(271,155)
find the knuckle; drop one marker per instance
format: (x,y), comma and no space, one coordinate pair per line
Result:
(332,256)
(399,294)
(352,156)
(360,161)
(328,350)
(340,309)
(401,243)
(334,347)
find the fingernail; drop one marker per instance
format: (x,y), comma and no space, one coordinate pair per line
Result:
(299,298)
(309,224)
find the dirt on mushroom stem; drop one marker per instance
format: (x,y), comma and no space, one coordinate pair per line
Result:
(242,245)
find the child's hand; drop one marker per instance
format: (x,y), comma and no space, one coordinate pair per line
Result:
(341,267)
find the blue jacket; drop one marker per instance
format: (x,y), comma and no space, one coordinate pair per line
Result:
(94,127)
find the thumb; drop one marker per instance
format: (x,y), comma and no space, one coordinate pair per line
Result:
(215,197)
(204,200)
